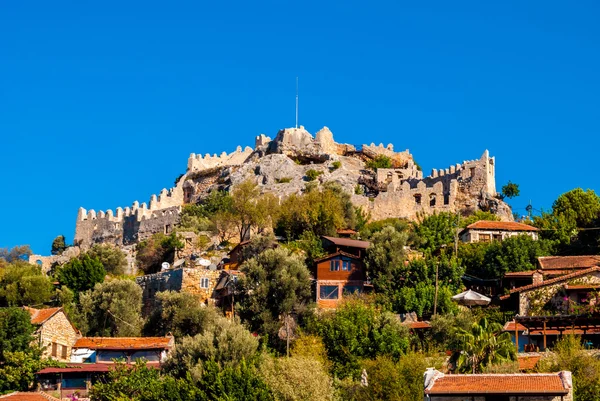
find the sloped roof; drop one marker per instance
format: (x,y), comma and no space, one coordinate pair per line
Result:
(124,343)
(39,316)
(568,262)
(550,383)
(27,396)
(417,325)
(354,243)
(555,280)
(520,274)
(89,367)
(501,225)
(331,255)
(528,362)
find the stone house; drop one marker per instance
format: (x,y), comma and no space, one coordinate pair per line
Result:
(488,231)
(55,333)
(197,281)
(498,387)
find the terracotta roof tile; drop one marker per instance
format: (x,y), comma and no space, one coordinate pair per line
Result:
(39,316)
(566,262)
(510,326)
(354,243)
(528,362)
(23,396)
(556,280)
(501,225)
(124,342)
(520,274)
(418,325)
(498,384)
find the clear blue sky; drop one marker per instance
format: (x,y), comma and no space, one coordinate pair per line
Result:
(102,103)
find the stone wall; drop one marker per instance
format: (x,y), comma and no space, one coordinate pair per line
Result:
(58,330)
(239,156)
(46,262)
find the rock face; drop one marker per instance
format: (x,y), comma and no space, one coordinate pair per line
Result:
(280,166)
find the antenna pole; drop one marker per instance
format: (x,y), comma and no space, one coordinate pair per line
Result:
(296,102)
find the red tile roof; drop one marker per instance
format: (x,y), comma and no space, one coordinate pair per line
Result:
(555,280)
(528,362)
(124,343)
(520,274)
(89,368)
(22,396)
(39,316)
(353,243)
(532,384)
(418,325)
(510,327)
(501,225)
(566,262)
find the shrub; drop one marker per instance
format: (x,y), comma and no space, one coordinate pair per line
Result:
(335,165)
(358,189)
(283,180)
(312,174)
(380,161)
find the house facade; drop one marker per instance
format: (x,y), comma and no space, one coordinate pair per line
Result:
(488,231)
(55,333)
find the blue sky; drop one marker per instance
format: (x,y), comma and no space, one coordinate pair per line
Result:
(102,103)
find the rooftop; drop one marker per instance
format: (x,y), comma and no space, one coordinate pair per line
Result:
(88,368)
(29,396)
(124,343)
(515,384)
(39,316)
(354,243)
(501,225)
(566,262)
(528,362)
(555,280)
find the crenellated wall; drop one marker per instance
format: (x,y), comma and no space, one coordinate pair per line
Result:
(239,156)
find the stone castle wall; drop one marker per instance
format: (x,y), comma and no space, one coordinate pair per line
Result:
(239,156)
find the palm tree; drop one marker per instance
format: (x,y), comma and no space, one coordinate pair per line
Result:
(486,344)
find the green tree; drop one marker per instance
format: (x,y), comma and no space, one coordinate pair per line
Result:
(15,254)
(250,209)
(24,284)
(310,244)
(16,331)
(58,245)
(18,369)
(477,216)
(484,344)
(380,161)
(142,383)
(224,342)
(113,309)
(275,285)
(510,190)
(159,248)
(237,383)
(112,258)
(81,274)
(181,314)
(436,230)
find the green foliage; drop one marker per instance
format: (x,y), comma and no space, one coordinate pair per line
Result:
(446,329)
(142,383)
(436,230)
(224,342)
(275,284)
(155,250)
(18,369)
(483,345)
(24,284)
(258,245)
(310,245)
(112,309)
(400,225)
(312,174)
(81,274)
(571,356)
(283,180)
(196,218)
(15,254)
(250,209)
(112,258)
(58,245)
(510,190)
(235,383)
(421,298)
(16,331)
(381,161)
(335,165)
(181,314)
(358,189)
(357,330)
(493,260)
(296,378)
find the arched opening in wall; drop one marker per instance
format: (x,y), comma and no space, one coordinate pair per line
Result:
(432,198)
(446,199)
(39,262)
(418,199)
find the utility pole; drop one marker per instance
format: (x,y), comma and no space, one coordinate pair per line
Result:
(437,268)
(456,233)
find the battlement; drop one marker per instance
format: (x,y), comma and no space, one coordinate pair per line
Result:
(237,157)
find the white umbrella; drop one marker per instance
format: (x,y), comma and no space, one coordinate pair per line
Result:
(470,298)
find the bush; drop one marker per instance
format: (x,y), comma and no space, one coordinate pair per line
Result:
(335,165)
(312,174)
(381,161)
(358,189)
(82,273)
(283,180)
(155,250)
(112,258)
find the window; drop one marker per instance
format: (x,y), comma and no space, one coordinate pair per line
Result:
(54,349)
(346,266)
(150,356)
(329,292)
(168,229)
(432,200)
(108,356)
(446,199)
(497,237)
(352,289)
(63,353)
(334,265)
(204,282)
(485,238)
(418,199)
(74,382)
